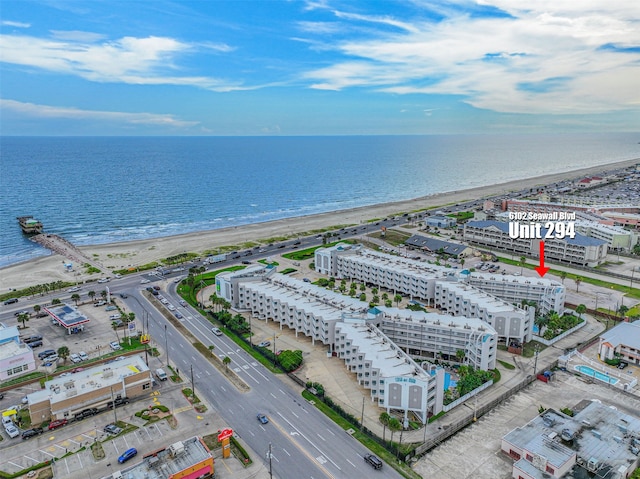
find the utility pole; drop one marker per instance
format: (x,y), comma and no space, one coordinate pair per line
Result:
(535,364)
(166,344)
(362,415)
(193,385)
(113,405)
(270,470)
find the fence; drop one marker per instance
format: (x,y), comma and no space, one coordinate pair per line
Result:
(460,400)
(549,342)
(452,429)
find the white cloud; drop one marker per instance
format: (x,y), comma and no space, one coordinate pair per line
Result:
(540,57)
(10,23)
(141,61)
(45,111)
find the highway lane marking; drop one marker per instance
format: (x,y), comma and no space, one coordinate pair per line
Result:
(321,437)
(351,463)
(330,432)
(222,387)
(273,396)
(294,414)
(194,359)
(286,452)
(282,391)
(301,449)
(309,441)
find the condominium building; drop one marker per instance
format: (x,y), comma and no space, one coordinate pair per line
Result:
(394,273)
(65,397)
(439,336)
(395,381)
(548,294)
(16,358)
(580,250)
(616,237)
(623,342)
(509,321)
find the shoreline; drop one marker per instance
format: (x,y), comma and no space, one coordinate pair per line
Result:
(121,255)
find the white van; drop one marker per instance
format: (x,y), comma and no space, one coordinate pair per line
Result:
(162,376)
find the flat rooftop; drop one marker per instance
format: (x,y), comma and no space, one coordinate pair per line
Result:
(163,464)
(66,315)
(83,382)
(482,299)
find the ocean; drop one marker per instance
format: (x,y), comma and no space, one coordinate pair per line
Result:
(94,190)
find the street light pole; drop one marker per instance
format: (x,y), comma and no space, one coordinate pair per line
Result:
(535,364)
(166,344)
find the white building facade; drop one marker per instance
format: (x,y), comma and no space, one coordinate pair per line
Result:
(16,358)
(509,321)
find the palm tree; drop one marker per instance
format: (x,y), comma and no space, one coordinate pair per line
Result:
(384,419)
(226,360)
(63,352)
(24,317)
(397,298)
(211,348)
(36,308)
(522,262)
(460,355)
(461,261)
(394,425)
(75,297)
(622,310)
(563,276)
(56,301)
(580,310)
(91,294)
(114,325)
(578,280)
(103,293)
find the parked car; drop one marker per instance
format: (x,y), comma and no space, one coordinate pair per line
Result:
(35,344)
(113,317)
(118,402)
(262,418)
(52,358)
(264,344)
(74,358)
(32,432)
(115,345)
(30,339)
(12,430)
(99,303)
(83,356)
(55,424)
(128,454)
(112,429)
(86,413)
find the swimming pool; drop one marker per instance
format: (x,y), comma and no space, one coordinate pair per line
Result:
(589,371)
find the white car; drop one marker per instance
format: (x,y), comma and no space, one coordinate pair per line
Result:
(115,345)
(12,430)
(75,289)
(83,356)
(216,331)
(171,307)
(113,317)
(74,358)
(145,281)
(103,280)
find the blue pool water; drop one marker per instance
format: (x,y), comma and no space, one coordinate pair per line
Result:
(595,374)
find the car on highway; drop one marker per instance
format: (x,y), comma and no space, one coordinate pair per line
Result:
(103,280)
(128,454)
(262,418)
(182,302)
(57,423)
(24,311)
(112,429)
(32,432)
(75,289)
(178,314)
(11,301)
(145,281)
(373,461)
(264,344)
(216,331)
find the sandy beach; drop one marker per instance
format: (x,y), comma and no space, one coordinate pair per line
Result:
(130,254)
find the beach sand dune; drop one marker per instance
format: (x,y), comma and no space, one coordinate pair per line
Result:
(134,253)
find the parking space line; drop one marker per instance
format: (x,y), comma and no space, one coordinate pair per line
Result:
(80,460)
(86,435)
(115,447)
(75,442)
(48,454)
(31,459)
(16,465)
(67,464)
(55,445)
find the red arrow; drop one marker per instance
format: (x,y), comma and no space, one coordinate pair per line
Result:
(542,269)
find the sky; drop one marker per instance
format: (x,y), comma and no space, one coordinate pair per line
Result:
(318,67)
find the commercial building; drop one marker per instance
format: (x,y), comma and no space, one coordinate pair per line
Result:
(440,221)
(438,246)
(549,295)
(580,250)
(395,381)
(16,358)
(439,336)
(68,317)
(598,441)
(622,341)
(66,397)
(508,320)
(188,459)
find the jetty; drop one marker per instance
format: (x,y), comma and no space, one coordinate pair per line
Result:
(65,248)
(29,225)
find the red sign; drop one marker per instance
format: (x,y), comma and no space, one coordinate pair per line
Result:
(225,434)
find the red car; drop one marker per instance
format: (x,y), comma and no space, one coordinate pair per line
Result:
(57,423)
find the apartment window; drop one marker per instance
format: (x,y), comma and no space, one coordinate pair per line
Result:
(550,470)
(146,386)
(529,457)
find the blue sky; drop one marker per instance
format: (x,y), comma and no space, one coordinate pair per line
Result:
(318,67)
